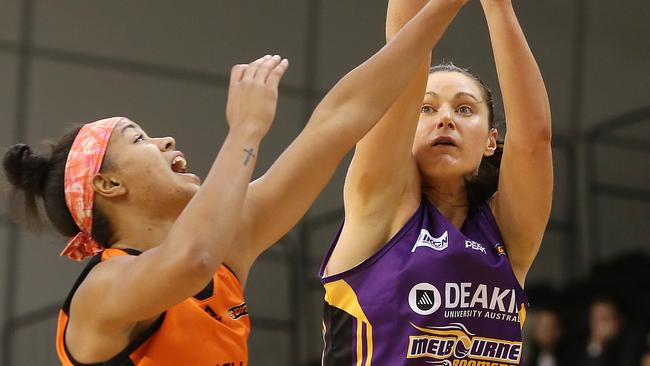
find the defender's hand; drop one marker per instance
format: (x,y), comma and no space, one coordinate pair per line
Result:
(253,93)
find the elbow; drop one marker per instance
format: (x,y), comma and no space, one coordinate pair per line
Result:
(545,133)
(542,134)
(198,262)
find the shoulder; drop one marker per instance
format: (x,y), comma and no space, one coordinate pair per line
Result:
(94,288)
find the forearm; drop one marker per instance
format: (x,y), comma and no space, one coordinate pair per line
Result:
(399,13)
(524,94)
(365,94)
(209,223)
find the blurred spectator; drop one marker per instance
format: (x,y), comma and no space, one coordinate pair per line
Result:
(589,329)
(603,346)
(546,345)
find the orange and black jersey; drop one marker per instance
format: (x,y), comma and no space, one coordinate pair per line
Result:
(210,328)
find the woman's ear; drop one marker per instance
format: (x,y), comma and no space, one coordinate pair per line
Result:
(491,145)
(107,186)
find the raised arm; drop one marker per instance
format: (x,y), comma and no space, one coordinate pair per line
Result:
(131,289)
(280,198)
(523,202)
(382,165)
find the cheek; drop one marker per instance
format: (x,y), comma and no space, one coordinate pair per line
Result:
(142,170)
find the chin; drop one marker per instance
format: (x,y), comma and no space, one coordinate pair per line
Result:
(442,169)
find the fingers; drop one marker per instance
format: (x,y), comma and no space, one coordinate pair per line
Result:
(236,73)
(266,70)
(252,68)
(263,71)
(276,74)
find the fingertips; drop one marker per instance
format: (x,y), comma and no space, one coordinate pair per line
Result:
(252,68)
(268,65)
(276,74)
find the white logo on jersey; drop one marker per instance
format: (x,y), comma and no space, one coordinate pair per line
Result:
(424,299)
(427,240)
(476,246)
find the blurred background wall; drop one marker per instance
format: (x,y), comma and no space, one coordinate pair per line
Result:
(165,64)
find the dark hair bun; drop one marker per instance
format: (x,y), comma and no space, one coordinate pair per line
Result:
(25,169)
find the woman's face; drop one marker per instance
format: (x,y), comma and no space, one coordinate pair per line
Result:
(150,170)
(453,133)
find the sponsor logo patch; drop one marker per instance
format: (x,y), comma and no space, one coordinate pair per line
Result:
(238,311)
(501,250)
(429,241)
(424,299)
(454,345)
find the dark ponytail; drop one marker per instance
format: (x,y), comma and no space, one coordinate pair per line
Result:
(27,171)
(484,184)
(38,176)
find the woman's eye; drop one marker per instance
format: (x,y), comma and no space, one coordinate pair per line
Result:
(139,138)
(427,109)
(464,110)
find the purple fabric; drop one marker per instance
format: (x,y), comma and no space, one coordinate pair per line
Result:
(436,295)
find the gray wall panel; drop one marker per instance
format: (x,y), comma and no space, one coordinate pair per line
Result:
(199,35)
(625,167)
(267,290)
(549,265)
(622,226)
(43,278)
(616,73)
(10,19)
(349,33)
(7,113)
(4,244)
(34,344)
(270,348)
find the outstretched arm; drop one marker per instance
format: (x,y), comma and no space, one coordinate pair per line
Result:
(132,289)
(277,200)
(523,202)
(383,167)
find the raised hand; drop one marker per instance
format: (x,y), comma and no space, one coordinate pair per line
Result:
(253,93)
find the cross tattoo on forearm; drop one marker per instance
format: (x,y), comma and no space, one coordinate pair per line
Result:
(249,154)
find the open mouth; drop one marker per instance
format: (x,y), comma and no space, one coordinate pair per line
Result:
(443,141)
(179,165)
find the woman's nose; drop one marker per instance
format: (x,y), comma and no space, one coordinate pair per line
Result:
(167,143)
(446,120)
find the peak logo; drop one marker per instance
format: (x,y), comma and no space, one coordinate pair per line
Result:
(427,240)
(441,344)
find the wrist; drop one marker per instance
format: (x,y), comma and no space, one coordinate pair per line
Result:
(434,9)
(249,132)
(496,4)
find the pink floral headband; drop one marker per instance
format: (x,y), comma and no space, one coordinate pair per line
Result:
(84,161)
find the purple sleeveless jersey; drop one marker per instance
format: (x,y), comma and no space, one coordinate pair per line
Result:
(433,295)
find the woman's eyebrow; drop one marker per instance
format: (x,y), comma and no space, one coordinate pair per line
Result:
(458,95)
(128,126)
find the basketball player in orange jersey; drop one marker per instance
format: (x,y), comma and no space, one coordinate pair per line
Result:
(170,256)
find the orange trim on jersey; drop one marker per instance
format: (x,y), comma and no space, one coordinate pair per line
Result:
(211,331)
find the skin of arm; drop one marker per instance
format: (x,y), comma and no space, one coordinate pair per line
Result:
(382,185)
(278,199)
(381,173)
(523,202)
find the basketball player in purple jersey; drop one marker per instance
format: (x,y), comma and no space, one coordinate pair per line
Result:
(429,266)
